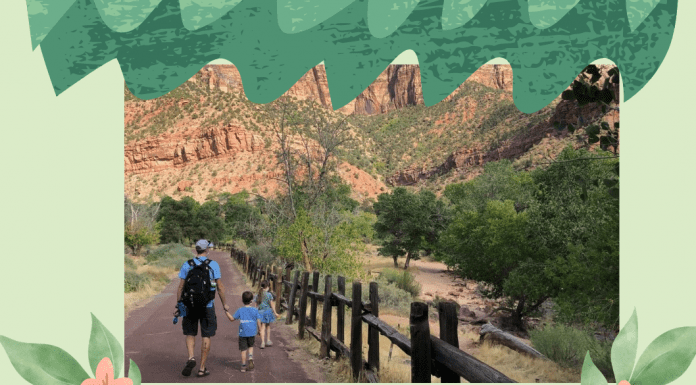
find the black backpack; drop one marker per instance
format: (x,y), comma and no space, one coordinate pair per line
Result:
(196,293)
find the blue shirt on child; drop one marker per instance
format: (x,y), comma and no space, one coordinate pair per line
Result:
(247,317)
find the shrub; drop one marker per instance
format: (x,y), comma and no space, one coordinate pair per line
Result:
(567,346)
(134,281)
(129,263)
(262,253)
(171,255)
(404,280)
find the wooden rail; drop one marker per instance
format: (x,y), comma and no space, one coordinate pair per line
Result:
(430,356)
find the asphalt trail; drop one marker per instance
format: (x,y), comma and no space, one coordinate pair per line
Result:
(159,349)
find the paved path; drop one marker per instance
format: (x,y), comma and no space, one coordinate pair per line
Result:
(159,348)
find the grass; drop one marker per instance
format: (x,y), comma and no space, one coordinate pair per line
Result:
(567,346)
(147,276)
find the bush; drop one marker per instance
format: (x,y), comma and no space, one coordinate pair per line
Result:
(134,281)
(171,255)
(262,253)
(404,280)
(567,346)
(129,263)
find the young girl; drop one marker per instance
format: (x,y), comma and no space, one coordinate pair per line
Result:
(266,304)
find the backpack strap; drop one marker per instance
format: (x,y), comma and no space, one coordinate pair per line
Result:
(191,263)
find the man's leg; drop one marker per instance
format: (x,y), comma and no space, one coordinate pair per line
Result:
(190,345)
(204,351)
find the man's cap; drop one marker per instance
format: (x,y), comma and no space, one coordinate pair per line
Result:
(204,244)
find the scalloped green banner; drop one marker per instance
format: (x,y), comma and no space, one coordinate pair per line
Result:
(161,44)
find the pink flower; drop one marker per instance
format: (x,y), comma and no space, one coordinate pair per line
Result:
(624,382)
(105,375)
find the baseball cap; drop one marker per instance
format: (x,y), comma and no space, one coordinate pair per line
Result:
(204,244)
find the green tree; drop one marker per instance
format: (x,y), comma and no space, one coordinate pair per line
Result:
(137,235)
(408,223)
(492,246)
(178,219)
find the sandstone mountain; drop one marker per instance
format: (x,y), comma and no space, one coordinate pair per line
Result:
(206,137)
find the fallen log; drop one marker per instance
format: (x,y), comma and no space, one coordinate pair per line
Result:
(495,335)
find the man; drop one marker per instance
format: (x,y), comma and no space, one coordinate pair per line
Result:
(206,318)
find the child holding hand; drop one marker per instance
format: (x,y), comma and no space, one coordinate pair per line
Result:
(249,322)
(267,313)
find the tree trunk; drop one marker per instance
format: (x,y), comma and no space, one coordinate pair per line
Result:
(408,260)
(396,264)
(305,254)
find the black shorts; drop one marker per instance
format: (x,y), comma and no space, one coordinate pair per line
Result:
(245,343)
(208,323)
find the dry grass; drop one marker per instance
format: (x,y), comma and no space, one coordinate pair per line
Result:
(159,278)
(525,369)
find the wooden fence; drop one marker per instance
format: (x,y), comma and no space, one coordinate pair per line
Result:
(430,355)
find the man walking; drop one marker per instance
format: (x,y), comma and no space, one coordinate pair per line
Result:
(206,314)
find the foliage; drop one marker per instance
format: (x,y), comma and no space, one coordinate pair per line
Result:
(137,235)
(404,280)
(493,247)
(567,346)
(499,181)
(128,263)
(262,253)
(134,281)
(408,223)
(171,255)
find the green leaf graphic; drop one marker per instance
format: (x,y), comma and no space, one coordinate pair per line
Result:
(300,15)
(638,10)
(134,373)
(162,53)
(103,344)
(41,364)
(624,349)
(125,15)
(666,358)
(385,16)
(545,13)
(199,13)
(43,15)
(456,13)
(590,374)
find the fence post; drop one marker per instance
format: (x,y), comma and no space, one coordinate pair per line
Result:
(448,333)
(421,358)
(303,304)
(246,263)
(313,309)
(341,311)
(254,272)
(326,320)
(373,333)
(291,300)
(288,269)
(268,275)
(356,332)
(278,286)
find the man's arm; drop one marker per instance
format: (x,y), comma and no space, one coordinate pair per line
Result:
(221,293)
(179,290)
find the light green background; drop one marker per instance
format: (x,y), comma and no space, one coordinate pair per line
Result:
(61,215)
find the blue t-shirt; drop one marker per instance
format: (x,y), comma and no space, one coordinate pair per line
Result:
(214,273)
(247,317)
(266,301)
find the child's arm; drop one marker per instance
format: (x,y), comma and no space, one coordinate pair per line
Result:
(229,316)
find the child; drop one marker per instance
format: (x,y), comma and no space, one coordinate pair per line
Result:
(248,317)
(267,312)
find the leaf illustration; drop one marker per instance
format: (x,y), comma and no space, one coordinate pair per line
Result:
(638,10)
(162,53)
(385,16)
(300,15)
(199,13)
(125,15)
(134,373)
(545,13)
(103,344)
(41,364)
(666,358)
(43,15)
(590,374)
(624,349)
(456,13)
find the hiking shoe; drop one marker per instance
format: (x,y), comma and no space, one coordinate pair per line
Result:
(263,345)
(244,367)
(269,343)
(190,364)
(251,364)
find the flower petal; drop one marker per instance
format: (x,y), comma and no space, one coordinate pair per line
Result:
(105,371)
